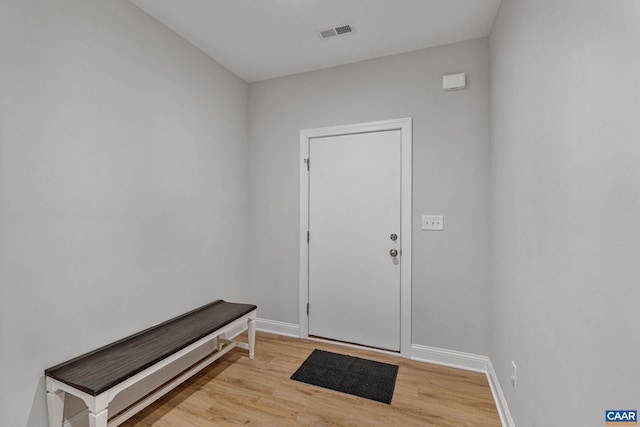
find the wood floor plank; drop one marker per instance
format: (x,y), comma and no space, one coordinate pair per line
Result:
(238,391)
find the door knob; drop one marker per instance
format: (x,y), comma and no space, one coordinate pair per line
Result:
(393,253)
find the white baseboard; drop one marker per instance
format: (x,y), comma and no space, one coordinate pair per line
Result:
(451,358)
(280,328)
(422,353)
(498,397)
(469,362)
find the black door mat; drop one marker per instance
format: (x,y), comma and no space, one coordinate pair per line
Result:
(348,374)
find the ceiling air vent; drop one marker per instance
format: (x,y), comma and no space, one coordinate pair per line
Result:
(339,30)
(328,33)
(344,29)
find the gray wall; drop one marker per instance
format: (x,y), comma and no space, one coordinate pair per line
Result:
(123,184)
(565,116)
(451,177)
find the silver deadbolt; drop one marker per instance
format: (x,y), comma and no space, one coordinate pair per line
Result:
(393,253)
(393,237)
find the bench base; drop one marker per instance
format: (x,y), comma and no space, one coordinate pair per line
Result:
(98,405)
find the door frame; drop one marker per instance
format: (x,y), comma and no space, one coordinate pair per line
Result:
(405,125)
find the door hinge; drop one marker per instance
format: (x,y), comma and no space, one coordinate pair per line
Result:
(307,309)
(308,236)
(307,162)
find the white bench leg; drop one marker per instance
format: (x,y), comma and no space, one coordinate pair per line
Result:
(251,326)
(55,407)
(221,340)
(99,419)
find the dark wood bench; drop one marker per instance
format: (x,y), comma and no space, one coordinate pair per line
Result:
(98,376)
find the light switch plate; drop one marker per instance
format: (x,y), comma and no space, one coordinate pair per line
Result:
(433,222)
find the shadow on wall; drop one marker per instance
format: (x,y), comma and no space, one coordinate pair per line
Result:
(38,405)
(72,406)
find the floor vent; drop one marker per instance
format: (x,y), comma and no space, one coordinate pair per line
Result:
(339,30)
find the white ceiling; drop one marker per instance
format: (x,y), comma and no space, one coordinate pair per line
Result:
(262,39)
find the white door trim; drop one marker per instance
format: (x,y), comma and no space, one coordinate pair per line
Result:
(405,125)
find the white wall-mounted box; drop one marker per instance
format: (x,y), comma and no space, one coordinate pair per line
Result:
(454,81)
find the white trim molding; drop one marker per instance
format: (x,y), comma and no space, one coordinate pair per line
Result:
(279,328)
(420,353)
(405,125)
(498,397)
(450,358)
(468,362)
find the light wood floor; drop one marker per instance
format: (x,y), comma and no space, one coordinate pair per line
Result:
(237,391)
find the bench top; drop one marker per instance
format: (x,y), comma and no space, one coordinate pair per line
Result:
(99,370)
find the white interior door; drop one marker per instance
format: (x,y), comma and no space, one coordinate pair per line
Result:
(354,209)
